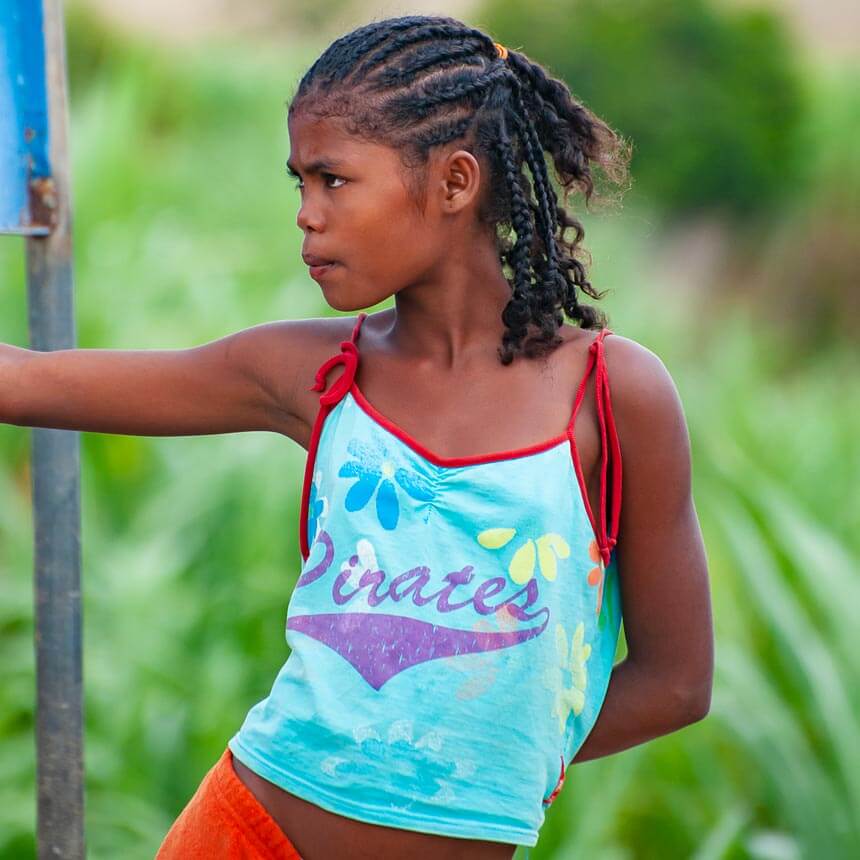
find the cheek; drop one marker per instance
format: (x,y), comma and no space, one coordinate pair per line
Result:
(394,237)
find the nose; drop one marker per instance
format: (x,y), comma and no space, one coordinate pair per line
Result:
(307,218)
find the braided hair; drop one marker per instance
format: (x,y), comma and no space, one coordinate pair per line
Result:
(417,82)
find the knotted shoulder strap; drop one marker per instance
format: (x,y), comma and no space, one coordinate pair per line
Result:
(348,356)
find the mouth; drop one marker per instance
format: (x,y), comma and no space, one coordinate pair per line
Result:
(318,265)
(317,272)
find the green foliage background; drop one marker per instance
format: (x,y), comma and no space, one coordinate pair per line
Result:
(711,97)
(184,230)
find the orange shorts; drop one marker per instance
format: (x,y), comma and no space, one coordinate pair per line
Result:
(224,821)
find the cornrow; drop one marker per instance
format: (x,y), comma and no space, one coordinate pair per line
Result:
(418,82)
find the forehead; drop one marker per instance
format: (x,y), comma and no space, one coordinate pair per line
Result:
(315,141)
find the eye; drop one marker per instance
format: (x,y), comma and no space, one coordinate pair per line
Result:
(327,176)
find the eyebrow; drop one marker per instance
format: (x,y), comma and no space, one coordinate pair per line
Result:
(316,166)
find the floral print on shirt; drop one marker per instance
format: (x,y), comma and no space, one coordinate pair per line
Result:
(597,573)
(377,473)
(571,664)
(546,549)
(317,507)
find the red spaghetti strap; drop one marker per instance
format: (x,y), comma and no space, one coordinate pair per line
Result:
(357,327)
(609,447)
(613,449)
(580,392)
(348,356)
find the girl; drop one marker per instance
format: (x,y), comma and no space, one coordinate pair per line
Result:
(466,557)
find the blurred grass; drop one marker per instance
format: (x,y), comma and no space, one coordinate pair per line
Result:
(184,230)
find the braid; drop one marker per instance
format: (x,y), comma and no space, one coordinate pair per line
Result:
(517,313)
(418,82)
(548,212)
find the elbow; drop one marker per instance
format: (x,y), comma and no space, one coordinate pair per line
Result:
(697,710)
(694,703)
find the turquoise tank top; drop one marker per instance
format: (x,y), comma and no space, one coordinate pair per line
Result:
(453,628)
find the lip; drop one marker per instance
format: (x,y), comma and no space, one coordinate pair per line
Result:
(317,272)
(314,260)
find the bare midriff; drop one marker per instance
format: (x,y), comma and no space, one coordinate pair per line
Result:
(322,835)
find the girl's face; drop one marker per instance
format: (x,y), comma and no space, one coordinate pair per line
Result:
(356,210)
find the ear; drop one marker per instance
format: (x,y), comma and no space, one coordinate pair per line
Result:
(460,181)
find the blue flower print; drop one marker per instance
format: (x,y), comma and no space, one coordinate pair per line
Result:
(373,468)
(316,507)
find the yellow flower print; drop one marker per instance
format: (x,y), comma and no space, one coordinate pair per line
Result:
(571,698)
(596,574)
(546,550)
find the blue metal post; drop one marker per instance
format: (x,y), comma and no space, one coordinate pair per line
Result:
(35,202)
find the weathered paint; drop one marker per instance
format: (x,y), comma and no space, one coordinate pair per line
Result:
(25,197)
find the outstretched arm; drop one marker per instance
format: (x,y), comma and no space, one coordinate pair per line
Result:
(244,381)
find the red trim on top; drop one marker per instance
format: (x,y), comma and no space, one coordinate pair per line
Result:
(438,459)
(547,801)
(306,483)
(606,421)
(580,391)
(357,327)
(345,383)
(604,407)
(348,356)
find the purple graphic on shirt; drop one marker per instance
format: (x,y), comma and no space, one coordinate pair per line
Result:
(379,645)
(319,569)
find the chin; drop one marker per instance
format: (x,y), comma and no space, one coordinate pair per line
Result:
(343,303)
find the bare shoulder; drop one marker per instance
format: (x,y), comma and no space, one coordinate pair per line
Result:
(638,378)
(640,383)
(652,428)
(284,356)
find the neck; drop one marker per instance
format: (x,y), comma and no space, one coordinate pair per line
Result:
(452,325)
